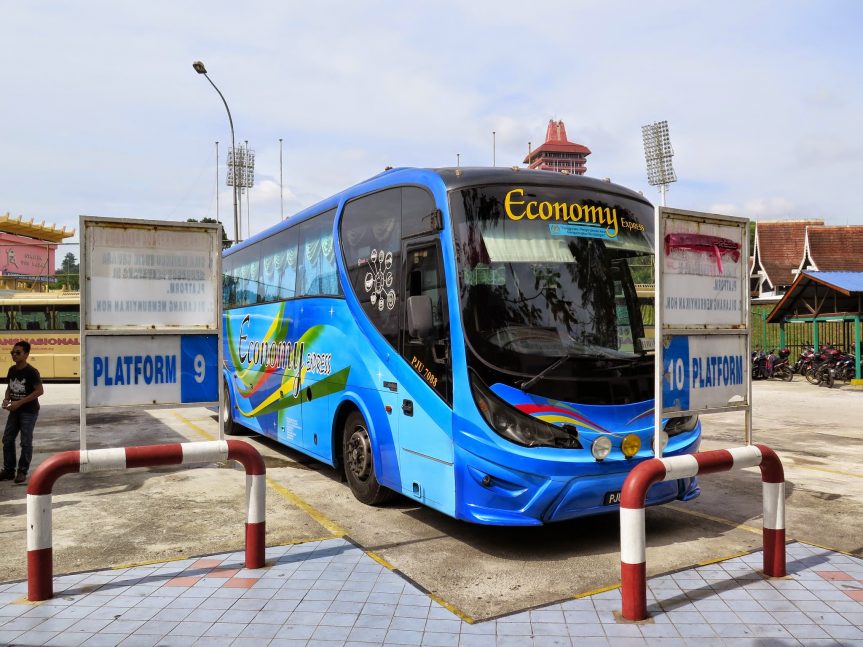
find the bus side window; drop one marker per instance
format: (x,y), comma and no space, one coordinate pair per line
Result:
(370,233)
(33,318)
(317,262)
(67,318)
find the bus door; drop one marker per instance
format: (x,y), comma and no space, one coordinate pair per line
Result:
(425,428)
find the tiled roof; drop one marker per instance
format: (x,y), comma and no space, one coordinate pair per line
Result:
(780,247)
(836,248)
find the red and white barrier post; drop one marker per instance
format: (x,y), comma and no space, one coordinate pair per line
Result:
(632,535)
(39,535)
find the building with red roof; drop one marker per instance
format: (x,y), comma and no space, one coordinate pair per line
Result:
(833,249)
(557,153)
(779,246)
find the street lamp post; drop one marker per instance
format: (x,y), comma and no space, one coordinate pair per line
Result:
(200,69)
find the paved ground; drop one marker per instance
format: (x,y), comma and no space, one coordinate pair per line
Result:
(485,574)
(330,593)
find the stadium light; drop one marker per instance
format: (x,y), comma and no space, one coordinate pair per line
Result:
(658,154)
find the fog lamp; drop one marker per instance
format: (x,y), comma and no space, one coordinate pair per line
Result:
(630,445)
(601,447)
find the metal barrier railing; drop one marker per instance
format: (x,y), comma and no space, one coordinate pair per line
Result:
(39,534)
(633,570)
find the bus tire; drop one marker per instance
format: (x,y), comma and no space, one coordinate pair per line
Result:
(358,459)
(231,427)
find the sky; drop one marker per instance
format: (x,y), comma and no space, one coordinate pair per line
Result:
(101,113)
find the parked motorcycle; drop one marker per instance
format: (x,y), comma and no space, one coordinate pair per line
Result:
(771,365)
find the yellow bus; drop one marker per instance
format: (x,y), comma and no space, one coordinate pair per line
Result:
(50,321)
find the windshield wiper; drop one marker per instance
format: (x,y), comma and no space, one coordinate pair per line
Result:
(613,362)
(524,386)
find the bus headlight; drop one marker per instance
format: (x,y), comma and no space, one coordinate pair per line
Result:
(630,445)
(520,428)
(601,447)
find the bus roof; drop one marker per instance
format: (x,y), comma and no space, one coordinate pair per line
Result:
(449,179)
(60,297)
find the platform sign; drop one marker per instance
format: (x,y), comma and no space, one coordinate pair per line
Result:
(152,370)
(149,275)
(701,315)
(703,372)
(151,314)
(704,275)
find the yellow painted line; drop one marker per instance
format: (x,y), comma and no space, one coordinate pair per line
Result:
(320,517)
(830,548)
(323,520)
(726,522)
(446,605)
(722,559)
(795,465)
(453,609)
(205,434)
(597,591)
(380,560)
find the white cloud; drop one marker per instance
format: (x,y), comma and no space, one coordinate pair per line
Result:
(103,114)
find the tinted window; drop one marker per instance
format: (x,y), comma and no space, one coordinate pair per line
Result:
(279,265)
(317,259)
(418,211)
(370,234)
(67,317)
(241,284)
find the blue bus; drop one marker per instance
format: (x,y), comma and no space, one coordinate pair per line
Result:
(469,338)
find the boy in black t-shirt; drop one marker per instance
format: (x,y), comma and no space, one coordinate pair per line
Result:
(23,388)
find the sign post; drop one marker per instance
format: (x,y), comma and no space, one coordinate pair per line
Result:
(150,314)
(702,317)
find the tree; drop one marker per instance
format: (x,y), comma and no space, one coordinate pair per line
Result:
(68,272)
(225,241)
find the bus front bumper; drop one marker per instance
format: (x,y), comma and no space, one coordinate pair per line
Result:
(491,494)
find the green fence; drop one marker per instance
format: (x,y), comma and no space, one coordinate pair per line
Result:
(767,336)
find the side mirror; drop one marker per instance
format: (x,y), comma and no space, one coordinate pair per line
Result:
(419,316)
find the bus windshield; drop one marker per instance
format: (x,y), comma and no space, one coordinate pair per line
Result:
(547,273)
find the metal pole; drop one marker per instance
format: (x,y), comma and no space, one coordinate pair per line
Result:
(493,148)
(658,339)
(248,191)
(281,182)
(217,182)
(234,153)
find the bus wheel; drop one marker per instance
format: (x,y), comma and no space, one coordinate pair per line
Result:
(231,428)
(359,463)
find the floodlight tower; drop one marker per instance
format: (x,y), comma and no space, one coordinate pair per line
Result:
(658,154)
(241,173)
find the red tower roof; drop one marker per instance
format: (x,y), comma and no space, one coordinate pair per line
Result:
(555,142)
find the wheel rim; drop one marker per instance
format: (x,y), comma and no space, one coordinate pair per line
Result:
(359,454)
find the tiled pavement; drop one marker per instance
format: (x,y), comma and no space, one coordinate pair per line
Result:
(330,593)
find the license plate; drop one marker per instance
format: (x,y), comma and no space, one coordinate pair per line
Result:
(611,497)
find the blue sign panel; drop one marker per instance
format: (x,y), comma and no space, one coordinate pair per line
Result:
(152,369)
(675,375)
(199,374)
(702,372)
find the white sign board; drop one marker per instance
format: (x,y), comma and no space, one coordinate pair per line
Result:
(123,370)
(145,275)
(701,315)
(704,273)
(705,372)
(150,314)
